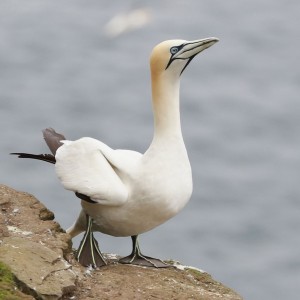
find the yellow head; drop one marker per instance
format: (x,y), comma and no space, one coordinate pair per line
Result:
(174,55)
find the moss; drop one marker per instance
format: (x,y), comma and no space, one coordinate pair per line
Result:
(8,287)
(170,262)
(197,273)
(6,281)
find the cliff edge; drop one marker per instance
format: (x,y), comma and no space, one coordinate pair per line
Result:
(37,262)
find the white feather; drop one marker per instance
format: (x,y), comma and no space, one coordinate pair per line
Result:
(82,167)
(136,192)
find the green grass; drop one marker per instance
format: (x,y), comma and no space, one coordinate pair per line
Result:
(8,288)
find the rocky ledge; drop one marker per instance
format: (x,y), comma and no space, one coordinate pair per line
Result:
(37,262)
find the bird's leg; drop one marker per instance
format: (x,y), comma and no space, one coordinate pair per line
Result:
(88,253)
(137,258)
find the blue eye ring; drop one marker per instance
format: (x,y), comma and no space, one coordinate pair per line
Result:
(174,50)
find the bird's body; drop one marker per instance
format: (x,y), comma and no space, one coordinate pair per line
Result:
(147,189)
(130,193)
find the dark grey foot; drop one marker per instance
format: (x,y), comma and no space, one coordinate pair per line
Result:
(88,253)
(137,258)
(144,261)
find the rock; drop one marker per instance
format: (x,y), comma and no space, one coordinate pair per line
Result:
(8,288)
(24,216)
(132,282)
(45,214)
(40,271)
(39,254)
(34,247)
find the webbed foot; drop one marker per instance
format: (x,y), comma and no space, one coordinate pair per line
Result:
(88,253)
(137,258)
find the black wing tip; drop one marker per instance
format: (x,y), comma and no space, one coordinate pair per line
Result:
(44,157)
(53,139)
(48,130)
(52,131)
(17,153)
(84,198)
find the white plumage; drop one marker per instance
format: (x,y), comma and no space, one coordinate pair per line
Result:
(136,192)
(123,192)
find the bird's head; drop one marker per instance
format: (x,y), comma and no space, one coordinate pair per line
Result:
(173,56)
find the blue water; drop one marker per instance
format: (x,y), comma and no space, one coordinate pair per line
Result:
(240,118)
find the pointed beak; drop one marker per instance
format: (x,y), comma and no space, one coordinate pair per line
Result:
(189,50)
(192,48)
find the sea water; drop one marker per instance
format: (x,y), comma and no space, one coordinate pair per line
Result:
(240,110)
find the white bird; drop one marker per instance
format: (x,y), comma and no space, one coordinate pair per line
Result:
(123,192)
(127,21)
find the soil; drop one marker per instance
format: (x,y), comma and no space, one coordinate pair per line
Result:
(132,282)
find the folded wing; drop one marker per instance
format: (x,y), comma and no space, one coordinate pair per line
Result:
(82,168)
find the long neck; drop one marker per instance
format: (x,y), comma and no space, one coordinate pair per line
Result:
(165,96)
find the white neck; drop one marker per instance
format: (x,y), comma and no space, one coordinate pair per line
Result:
(165,95)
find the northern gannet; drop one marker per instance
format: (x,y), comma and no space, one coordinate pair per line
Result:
(127,21)
(126,193)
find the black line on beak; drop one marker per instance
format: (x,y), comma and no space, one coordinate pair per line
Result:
(189,60)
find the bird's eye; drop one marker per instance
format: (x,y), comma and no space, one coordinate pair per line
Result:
(174,50)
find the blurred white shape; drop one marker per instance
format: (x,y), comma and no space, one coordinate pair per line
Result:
(125,22)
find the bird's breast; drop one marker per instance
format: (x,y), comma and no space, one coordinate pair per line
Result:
(158,188)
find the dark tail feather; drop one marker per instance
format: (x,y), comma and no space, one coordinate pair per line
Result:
(44,157)
(53,139)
